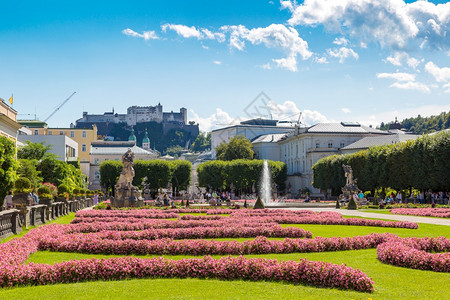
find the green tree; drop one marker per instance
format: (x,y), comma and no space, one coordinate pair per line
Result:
(202,142)
(238,147)
(28,169)
(109,174)
(8,166)
(33,150)
(180,174)
(174,150)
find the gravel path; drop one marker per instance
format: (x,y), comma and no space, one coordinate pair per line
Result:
(357,213)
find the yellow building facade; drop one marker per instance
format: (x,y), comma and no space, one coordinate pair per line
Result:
(8,121)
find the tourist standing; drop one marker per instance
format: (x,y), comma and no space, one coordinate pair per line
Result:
(96,199)
(399,197)
(8,201)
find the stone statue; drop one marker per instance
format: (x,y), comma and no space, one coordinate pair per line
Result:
(350,187)
(349,174)
(126,194)
(127,174)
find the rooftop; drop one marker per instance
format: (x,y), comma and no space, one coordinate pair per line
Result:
(343,127)
(259,121)
(380,140)
(118,149)
(269,138)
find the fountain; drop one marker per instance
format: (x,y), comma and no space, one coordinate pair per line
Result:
(268,192)
(265,186)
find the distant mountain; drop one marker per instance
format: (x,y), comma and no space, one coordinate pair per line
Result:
(421,125)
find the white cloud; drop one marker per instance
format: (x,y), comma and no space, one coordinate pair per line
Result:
(218,119)
(272,36)
(342,41)
(342,53)
(266,66)
(321,60)
(405,81)
(411,85)
(217,62)
(401,57)
(398,76)
(391,23)
(288,111)
(345,110)
(183,30)
(193,32)
(446,87)
(440,74)
(146,35)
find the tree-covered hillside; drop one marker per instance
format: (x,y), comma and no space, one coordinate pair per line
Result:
(421,125)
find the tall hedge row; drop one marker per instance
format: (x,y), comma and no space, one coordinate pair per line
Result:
(423,164)
(8,166)
(156,173)
(243,174)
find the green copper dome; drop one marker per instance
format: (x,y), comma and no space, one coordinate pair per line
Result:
(132,137)
(146,139)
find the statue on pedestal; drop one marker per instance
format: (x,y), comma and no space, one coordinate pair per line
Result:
(126,194)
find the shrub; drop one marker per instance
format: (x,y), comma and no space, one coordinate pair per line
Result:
(44,190)
(52,188)
(62,188)
(22,185)
(351,204)
(259,204)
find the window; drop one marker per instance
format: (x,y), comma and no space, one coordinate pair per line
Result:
(330,145)
(50,133)
(61,132)
(342,145)
(36,132)
(83,148)
(97,175)
(72,133)
(96,161)
(317,145)
(84,134)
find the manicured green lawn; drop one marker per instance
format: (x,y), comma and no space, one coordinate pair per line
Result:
(390,282)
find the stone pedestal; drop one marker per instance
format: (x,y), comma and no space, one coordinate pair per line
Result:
(127,197)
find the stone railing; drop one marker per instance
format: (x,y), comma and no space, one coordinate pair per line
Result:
(9,222)
(12,220)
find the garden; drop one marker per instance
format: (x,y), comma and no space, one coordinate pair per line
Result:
(226,253)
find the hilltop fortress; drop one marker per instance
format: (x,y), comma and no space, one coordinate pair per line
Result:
(136,115)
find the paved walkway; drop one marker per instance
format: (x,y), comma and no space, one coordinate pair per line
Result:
(357,213)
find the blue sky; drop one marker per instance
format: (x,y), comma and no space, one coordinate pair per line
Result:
(334,60)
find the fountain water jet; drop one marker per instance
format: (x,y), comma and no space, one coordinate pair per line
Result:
(265,185)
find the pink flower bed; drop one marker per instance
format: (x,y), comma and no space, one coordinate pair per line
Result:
(279,216)
(320,274)
(260,245)
(202,233)
(423,212)
(414,253)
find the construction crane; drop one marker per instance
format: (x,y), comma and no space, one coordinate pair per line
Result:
(59,106)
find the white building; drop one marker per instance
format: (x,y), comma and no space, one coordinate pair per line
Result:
(249,129)
(303,147)
(62,146)
(106,150)
(266,146)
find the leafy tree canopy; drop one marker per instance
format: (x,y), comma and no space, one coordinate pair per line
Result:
(239,147)
(33,151)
